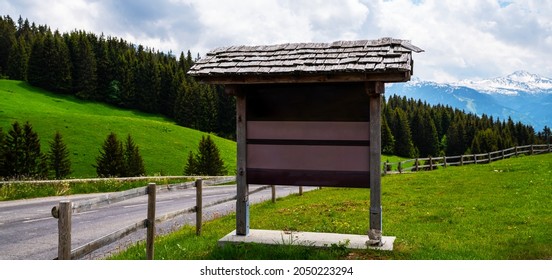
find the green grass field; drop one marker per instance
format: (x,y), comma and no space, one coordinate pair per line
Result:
(85,125)
(477,212)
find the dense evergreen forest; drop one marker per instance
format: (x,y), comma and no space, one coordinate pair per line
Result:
(114,71)
(413,128)
(132,76)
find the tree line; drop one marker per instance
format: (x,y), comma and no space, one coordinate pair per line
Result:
(21,156)
(413,128)
(113,71)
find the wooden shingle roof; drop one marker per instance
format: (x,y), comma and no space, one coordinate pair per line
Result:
(385,60)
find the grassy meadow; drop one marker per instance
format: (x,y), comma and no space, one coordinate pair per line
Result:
(477,212)
(84,126)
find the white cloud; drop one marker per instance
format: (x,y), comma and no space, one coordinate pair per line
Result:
(467,39)
(269,22)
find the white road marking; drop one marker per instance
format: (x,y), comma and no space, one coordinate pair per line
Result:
(36,220)
(87,212)
(145,204)
(135,205)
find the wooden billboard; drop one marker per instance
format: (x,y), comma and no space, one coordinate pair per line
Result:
(308,114)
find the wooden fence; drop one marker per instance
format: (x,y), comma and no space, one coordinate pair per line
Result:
(430,163)
(65,209)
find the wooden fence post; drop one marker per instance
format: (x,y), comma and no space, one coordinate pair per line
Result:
(516,151)
(300,190)
(273,188)
(384,168)
(461,160)
(474,159)
(400,167)
(550,148)
(503,154)
(152,191)
(64,230)
(445,161)
(199,206)
(430,163)
(416,164)
(532,150)
(490,159)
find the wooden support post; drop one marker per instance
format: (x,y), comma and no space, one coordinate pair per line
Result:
(532,150)
(474,159)
(242,201)
(273,188)
(445,161)
(399,167)
(430,163)
(300,190)
(152,192)
(199,206)
(375,91)
(516,151)
(384,168)
(490,158)
(64,230)
(461,160)
(416,164)
(503,154)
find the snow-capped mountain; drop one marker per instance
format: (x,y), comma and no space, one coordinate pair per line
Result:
(521,95)
(513,84)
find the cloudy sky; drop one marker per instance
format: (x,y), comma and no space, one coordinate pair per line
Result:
(469,39)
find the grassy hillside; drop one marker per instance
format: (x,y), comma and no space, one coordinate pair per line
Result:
(483,212)
(85,125)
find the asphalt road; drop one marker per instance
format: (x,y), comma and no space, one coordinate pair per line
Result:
(29,232)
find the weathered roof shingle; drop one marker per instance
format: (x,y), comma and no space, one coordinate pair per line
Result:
(385,59)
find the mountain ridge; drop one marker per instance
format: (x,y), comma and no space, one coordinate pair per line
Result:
(521,95)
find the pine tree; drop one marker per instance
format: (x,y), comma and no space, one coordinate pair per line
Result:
(207,161)
(485,141)
(31,156)
(110,162)
(403,137)
(387,139)
(58,157)
(134,164)
(190,168)
(14,151)
(83,66)
(17,62)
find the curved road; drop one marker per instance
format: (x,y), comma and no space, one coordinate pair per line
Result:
(29,232)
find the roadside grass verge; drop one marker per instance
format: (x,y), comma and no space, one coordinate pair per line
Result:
(13,191)
(477,212)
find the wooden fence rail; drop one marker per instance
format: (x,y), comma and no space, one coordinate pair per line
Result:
(65,209)
(431,163)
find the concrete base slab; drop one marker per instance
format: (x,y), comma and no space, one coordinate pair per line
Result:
(314,239)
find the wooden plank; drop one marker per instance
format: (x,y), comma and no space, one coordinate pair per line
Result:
(375,91)
(242,201)
(328,77)
(64,230)
(308,103)
(199,206)
(308,130)
(347,179)
(152,191)
(302,157)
